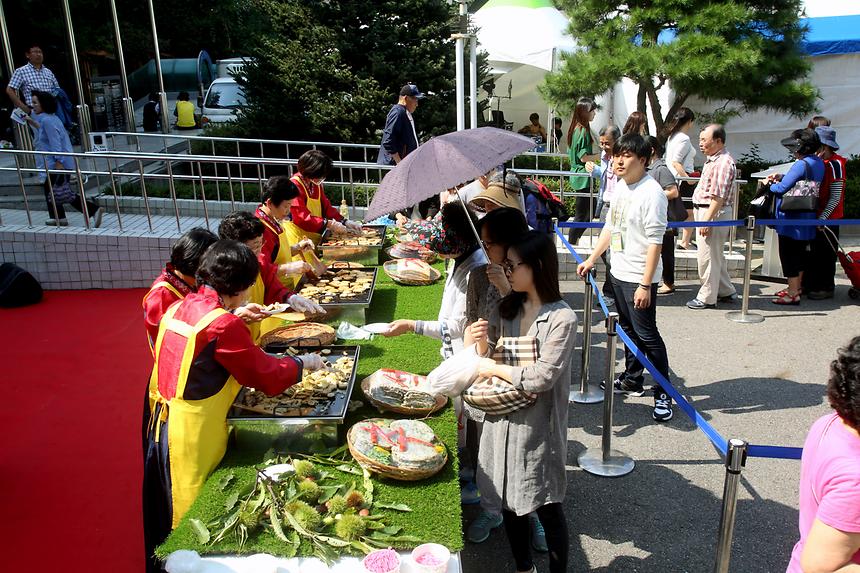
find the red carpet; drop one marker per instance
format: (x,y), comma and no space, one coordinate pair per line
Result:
(74,371)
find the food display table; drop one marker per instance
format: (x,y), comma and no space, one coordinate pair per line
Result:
(434,503)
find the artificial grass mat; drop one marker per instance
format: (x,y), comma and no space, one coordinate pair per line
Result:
(435,502)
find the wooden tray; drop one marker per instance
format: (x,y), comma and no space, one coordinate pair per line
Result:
(383,407)
(389,471)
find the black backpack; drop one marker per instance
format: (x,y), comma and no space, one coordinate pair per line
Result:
(18,287)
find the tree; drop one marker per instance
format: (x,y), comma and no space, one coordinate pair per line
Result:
(743,51)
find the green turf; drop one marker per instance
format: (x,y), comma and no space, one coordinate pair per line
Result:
(435,501)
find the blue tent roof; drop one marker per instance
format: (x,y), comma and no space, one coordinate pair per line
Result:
(832,35)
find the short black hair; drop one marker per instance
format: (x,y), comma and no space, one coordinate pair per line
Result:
(279,189)
(557,121)
(47,101)
(32,45)
(153,96)
(229,267)
(314,164)
(538,252)
(534,116)
(634,143)
(456,221)
(807,140)
(504,226)
(240,226)
(718,132)
(843,387)
(656,146)
(183,96)
(187,251)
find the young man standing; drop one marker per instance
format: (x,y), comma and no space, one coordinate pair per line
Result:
(634,228)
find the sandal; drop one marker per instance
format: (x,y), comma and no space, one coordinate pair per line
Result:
(665,289)
(787,300)
(784,293)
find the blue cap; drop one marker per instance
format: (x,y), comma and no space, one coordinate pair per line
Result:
(827,135)
(411,90)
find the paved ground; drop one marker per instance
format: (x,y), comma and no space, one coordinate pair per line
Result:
(763,383)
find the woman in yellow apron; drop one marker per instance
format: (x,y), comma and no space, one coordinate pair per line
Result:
(278,195)
(312,213)
(203,355)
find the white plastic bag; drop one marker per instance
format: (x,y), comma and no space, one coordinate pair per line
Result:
(455,374)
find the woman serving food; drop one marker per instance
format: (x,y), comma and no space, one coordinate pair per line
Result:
(312,212)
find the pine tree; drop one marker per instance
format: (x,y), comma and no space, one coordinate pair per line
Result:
(741,51)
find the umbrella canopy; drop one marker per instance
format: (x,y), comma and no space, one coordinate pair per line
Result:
(445,162)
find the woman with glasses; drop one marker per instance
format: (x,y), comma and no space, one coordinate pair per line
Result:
(524,452)
(312,213)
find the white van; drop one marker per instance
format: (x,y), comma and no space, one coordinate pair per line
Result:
(223,99)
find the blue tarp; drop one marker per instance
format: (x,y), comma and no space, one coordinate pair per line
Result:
(832,35)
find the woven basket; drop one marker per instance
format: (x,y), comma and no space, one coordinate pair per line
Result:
(383,407)
(300,334)
(390,269)
(388,471)
(428,257)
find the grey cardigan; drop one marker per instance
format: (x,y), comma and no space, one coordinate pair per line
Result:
(523,454)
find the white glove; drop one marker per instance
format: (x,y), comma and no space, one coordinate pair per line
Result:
(312,361)
(303,304)
(336,227)
(354,226)
(305,245)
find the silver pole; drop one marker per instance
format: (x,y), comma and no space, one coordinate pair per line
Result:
(744,316)
(23,191)
(607,462)
(7,45)
(83,108)
(460,44)
(473,81)
(736,459)
(215,168)
(115,195)
(143,193)
(172,186)
(203,192)
(162,95)
(191,169)
(128,103)
(586,395)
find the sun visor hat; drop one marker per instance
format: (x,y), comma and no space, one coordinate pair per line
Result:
(790,143)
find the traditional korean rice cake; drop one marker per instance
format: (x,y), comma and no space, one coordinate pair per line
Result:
(398,388)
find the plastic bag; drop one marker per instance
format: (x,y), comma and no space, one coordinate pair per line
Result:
(347,331)
(456,373)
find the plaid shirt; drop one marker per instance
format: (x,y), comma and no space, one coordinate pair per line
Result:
(718,179)
(27,78)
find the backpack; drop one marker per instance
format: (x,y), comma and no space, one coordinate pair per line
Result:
(18,287)
(553,207)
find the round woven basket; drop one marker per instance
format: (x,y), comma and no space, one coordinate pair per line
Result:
(300,334)
(429,257)
(385,407)
(389,471)
(390,268)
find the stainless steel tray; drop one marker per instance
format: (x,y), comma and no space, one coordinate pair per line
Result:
(362,254)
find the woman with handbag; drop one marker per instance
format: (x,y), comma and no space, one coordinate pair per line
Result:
(797,199)
(524,450)
(675,211)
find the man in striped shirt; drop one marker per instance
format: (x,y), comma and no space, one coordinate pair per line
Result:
(712,201)
(818,283)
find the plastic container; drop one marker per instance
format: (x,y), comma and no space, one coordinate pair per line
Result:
(431,558)
(389,554)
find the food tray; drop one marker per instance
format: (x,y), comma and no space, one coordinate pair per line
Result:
(334,410)
(363,300)
(363,254)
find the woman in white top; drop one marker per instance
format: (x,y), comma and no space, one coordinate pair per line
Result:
(679,157)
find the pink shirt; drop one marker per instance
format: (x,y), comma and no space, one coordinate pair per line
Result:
(717,180)
(829,482)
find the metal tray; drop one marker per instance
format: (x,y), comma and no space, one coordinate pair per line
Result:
(335,410)
(362,254)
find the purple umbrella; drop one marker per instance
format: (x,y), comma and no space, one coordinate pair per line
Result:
(445,162)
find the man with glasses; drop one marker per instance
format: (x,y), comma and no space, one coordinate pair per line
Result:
(33,76)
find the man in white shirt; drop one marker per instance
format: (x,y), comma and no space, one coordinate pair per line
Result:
(635,225)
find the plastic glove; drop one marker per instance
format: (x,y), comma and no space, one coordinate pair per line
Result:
(250,312)
(305,245)
(312,361)
(336,228)
(354,227)
(294,268)
(303,304)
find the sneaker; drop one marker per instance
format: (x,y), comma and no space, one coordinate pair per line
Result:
(469,494)
(97,217)
(662,407)
(57,223)
(538,534)
(623,385)
(696,304)
(479,530)
(728,298)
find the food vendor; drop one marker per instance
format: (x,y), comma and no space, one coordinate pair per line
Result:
(312,213)
(278,195)
(203,356)
(242,226)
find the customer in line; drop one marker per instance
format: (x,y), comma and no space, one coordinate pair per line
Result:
(580,150)
(680,154)
(524,453)
(499,193)
(818,281)
(662,175)
(830,477)
(635,228)
(795,240)
(637,122)
(713,200)
(603,171)
(51,136)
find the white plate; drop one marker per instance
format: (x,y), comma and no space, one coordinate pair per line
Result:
(279,308)
(377,327)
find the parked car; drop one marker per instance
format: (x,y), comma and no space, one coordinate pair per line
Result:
(223,99)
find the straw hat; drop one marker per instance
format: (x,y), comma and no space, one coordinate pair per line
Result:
(499,194)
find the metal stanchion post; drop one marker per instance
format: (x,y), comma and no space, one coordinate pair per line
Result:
(607,462)
(586,395)
(736,458)
(744,315)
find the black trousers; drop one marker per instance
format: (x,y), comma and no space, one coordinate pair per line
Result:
(640,324)
(821,264)
(668,257)
(60,213)
(585,208)
(519,537)
(157,497)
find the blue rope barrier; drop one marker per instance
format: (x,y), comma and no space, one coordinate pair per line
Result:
(719,442)
(807,222)
(733,223)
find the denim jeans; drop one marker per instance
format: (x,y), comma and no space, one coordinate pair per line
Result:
(640,324)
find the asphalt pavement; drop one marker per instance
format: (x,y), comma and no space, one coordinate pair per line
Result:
(763,383)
